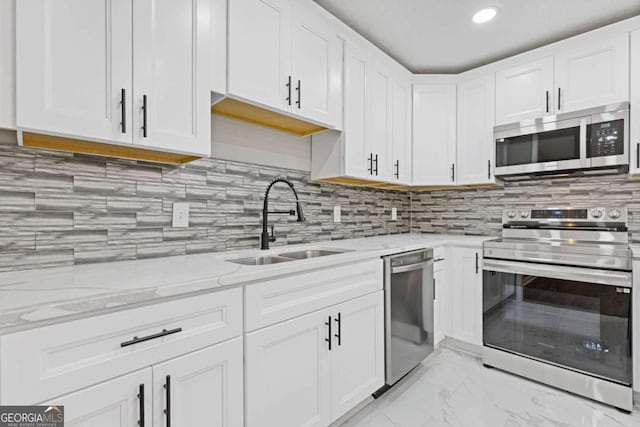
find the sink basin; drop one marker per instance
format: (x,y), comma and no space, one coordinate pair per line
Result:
(312,253)
(285,257)
(260,260)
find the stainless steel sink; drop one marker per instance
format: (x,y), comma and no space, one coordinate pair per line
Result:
(261,260)
(287,256)
(312,253)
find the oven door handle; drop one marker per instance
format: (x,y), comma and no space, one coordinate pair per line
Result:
(411,267)
(589,275)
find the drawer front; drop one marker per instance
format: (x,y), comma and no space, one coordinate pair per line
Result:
(273,301)
(43,363)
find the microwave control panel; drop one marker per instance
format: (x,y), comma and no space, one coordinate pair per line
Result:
(605,139)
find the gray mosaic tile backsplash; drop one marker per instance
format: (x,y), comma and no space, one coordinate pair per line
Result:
(479,211)
(61,209)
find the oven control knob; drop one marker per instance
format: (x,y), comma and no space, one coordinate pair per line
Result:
(614,214)
(524,214)
(511,214)
(596,213)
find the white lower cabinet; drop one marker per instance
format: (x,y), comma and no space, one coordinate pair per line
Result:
(310,370)
(466,295)
(201,388)
(122,402)
(441,303)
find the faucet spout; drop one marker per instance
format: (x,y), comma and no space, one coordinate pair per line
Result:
(266,238)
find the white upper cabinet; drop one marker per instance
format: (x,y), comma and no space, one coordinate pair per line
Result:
(401,131)
(171,75)
(7,64)
(634,99)
(525,91)
(74,62)
(286,56)
(116,71)
(475,146)
(434,134)
(592,75)
(259,66)
(379,127)
(316,66)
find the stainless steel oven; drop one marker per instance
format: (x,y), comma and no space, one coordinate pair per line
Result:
(556,298)
(589,139)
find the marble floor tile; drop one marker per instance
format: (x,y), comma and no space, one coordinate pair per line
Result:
(453,389)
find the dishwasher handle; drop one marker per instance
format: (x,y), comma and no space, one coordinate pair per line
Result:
(411,267)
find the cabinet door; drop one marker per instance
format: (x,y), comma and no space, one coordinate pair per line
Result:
(593,75)
(287,373)
(357,357)
(634,122)
(73,61)
(525,92)
(260,51)
(434,134)
(401,128)
(316,66)
(8,64)
(114,403)
(357,147)
(379,122)
(475,146)
(466,301)
(441,305)
(171,69)
(201,388)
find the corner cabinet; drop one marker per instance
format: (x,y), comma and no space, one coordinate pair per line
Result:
(312,369)
(434,134)
(119,72)
(286,56)
(475,144)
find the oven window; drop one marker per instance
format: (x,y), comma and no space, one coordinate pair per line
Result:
(579,325)
(551,146)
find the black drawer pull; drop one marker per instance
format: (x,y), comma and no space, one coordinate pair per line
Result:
(329,337)
(144,115)
(137,340)
(477,263)
(339,334)
(167,388)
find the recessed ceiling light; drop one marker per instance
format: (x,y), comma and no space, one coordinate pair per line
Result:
(484,15)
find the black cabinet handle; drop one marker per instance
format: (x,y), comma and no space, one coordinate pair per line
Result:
(339,334)
(489,169)
(288,85)
(376,165)
(144,116)
(137,340)
(167,388)
(434,288)
(123,110)
(328,339)
(370,160)
(477,263)
(559,95)
(397,169)
(453,172)
(299,90)
(638,155)
(547,98)
(141,403)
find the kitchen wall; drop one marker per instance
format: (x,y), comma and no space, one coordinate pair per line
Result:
(60,209)
(479,211)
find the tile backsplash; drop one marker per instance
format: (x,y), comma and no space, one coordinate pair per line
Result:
(479,210)
(61,209)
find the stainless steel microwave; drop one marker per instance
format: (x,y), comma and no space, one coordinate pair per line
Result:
(582,141)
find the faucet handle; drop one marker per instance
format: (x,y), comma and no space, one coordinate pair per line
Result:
(272,237)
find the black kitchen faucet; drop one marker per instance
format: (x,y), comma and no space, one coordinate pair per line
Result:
(266,238)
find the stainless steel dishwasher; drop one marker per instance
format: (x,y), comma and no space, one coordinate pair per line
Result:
(409,294)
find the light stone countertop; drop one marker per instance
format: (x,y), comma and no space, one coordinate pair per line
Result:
(31,298)
(635,250)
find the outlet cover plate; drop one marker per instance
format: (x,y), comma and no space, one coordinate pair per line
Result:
(181,215)
(337,214)
(394,214)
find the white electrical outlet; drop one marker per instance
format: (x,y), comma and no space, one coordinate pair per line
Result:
(181,215)
(394,214)
(337,215)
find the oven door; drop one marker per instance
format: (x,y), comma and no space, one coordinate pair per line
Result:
(543,147)
(578,318)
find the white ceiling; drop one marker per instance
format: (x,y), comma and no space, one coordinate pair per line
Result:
(437,36)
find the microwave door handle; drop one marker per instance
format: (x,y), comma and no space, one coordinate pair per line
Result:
(585,162)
